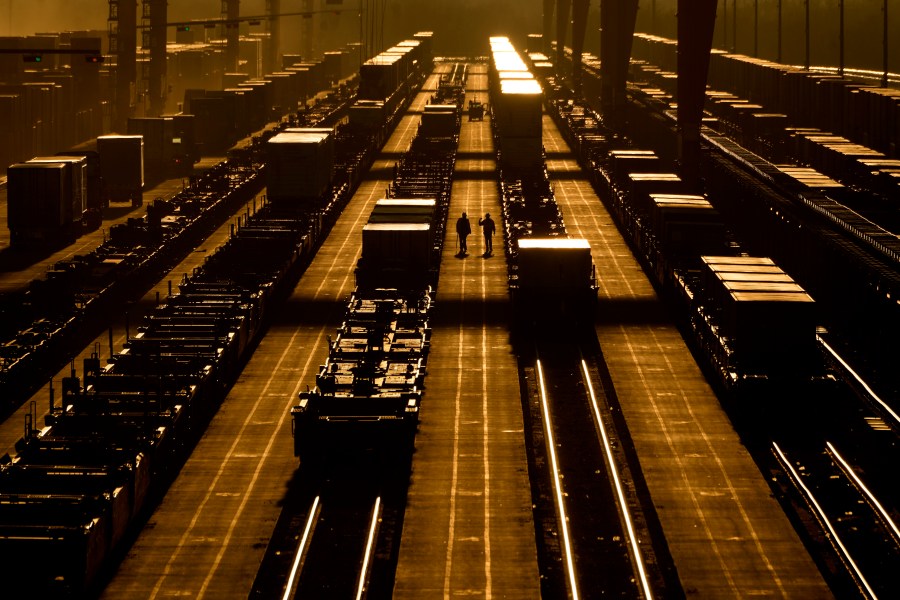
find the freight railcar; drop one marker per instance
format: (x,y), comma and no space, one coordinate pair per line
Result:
(367,395)
(120,432)
(551,276)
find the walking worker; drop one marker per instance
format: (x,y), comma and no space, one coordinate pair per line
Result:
(488,228)
(463,229)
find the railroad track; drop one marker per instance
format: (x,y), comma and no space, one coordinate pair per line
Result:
(337,536)
(859,529)
(602,543)
(325,559)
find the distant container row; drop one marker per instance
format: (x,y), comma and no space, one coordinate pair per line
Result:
(517,106)
(246,104)
(866,114)
(385,79)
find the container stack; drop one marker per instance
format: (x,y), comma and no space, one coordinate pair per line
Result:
(77,168)
(397,242)
(642,185)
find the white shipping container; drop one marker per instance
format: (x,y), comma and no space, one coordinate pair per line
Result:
(519,108)
(300,163)
(78,170)
(554,264)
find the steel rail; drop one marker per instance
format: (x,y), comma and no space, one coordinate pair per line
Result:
(620,490)
(836,541)
(302,548)
(557,485)
(370,548)
(884,406)
(870,497)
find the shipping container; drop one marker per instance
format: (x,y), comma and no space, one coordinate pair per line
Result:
(554,264)
(122,167)
(403,210)
(39,203)
(519,108)
(439,120)
(300,163)
(401,248)
(379,77)
(77,168)
(96,198)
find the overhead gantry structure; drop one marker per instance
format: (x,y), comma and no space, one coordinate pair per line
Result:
(122,27)
(153,41)
(696,21)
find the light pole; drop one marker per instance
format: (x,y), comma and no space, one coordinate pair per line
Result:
(756,28)
(725,26)
(884,76)
(733,25)
(778,58)
(841,39)
(806,8)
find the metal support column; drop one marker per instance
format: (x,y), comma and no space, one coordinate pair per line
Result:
(806,36)
(307,36)
(778,58)
(617,21)
(122,27)
(273,24)
(154,19)
(548,25)
(884,76)
(562,26)
(231,9)
(696,22)
(756,28)
(580,10)
(733,25)
(841,38)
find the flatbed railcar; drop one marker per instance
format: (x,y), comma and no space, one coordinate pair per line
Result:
(366,398)
(551,276)
(824,201)
(121,430)
(754,329)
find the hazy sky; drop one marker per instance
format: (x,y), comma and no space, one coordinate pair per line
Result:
(463,25)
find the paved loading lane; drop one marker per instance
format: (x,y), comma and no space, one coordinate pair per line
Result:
(468,529)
